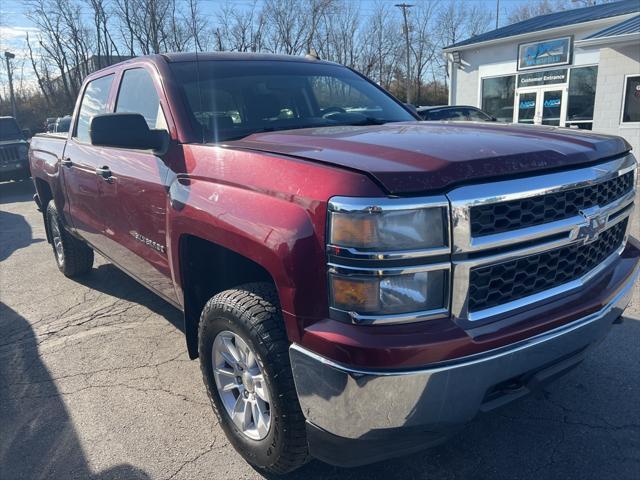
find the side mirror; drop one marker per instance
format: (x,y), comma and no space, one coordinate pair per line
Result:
(126,130)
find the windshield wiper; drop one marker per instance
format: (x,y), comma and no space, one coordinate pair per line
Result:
(366,121)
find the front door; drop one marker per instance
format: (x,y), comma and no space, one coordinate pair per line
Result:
(541,106)
(137,193)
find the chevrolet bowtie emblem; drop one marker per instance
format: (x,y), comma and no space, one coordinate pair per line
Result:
(594,224)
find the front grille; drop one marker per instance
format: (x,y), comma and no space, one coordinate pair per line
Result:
(527,212)
(504,282)
(9,154)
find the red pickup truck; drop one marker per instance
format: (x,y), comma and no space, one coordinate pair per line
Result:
(357,284)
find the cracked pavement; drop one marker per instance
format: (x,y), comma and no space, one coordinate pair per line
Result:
(95,383)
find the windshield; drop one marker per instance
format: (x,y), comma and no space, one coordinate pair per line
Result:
(238,98)
(9,130)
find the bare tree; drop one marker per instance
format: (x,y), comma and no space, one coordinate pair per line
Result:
(294,24)
(423,44)
(240,30)
(531,9)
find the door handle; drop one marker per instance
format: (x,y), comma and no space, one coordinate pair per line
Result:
(66,162)
(105,173)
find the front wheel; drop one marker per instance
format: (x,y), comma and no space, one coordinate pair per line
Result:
(245,365)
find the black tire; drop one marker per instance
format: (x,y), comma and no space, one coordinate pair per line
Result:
(76,257)
(252,311)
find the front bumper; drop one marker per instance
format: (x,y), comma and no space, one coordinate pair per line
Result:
(356,416)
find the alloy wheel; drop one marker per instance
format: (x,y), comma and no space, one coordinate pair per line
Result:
(241,385)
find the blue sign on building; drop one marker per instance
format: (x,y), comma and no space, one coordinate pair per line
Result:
(544,54)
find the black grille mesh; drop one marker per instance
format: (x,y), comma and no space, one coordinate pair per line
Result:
(506,216)
(9,154)
(501,283)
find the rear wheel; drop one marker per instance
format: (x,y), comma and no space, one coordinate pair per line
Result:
(73,257)
(244,360)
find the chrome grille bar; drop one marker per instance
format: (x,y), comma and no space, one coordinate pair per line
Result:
(471,252)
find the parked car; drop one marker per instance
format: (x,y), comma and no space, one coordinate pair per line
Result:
(456,112)
(356,284)
(50,124)
(62,124)
(14,162)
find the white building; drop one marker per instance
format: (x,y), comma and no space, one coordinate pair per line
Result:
(578,68)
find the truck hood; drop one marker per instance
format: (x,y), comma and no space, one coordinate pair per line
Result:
(413,157)
(13,142)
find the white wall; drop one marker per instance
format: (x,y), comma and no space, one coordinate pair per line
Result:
(501,59)
(615,63)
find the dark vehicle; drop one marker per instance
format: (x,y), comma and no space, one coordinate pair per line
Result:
(50,124)
(62,124)
(14,162)
(357,284)
(456,113)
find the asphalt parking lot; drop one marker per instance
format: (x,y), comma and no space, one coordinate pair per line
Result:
(95,382)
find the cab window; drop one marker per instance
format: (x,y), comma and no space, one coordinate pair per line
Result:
(138,95)
(94,102)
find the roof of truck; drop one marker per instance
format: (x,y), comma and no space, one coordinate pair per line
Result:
(242,56)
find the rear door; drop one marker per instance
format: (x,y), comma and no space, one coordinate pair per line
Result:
(136,193)
(80,162)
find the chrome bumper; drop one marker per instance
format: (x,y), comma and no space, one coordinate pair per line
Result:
(355,404)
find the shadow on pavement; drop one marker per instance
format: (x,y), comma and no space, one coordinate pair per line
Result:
(37,436)
(109,279)
(15,233)
(14,192)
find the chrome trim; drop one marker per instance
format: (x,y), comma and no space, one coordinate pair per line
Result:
(385,271)
(382,204)
(531,300)
(355,254)
(570,226)
(394,319)
(462,272)
(578,229)
(356,403)
(463,198)
(379,204)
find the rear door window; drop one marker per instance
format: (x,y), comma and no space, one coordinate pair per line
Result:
(94,102)
(138,95)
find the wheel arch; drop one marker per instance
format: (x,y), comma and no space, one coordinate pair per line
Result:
(45,194)
(208,268)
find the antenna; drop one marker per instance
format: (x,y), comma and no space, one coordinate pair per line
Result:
(312,55)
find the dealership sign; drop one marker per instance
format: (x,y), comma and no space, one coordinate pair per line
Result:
(547,77)
(544,54)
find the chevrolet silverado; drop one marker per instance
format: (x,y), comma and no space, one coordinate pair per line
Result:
(355,283)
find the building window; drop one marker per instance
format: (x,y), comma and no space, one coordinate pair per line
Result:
(631,103)
(498,97)
(582,95)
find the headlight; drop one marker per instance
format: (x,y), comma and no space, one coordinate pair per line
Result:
(365,235)
(22,151)
(389,230)
(389,294)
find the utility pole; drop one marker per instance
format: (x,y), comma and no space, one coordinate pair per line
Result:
(405,7)
(497,13)
(9,56)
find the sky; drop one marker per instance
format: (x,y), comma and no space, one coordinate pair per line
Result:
(14,25)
